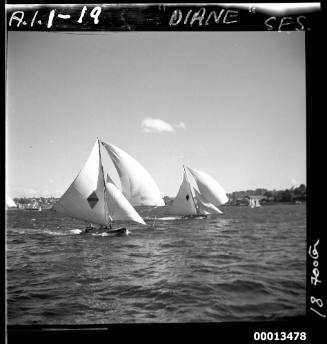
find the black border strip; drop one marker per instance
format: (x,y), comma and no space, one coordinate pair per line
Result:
(161,17)
(155,18)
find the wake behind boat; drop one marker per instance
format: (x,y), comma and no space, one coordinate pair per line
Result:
(99,201)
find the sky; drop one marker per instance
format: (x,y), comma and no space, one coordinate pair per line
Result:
(231,104)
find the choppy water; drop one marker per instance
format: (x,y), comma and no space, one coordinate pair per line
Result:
(245,265)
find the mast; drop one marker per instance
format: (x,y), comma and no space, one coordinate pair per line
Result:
(104,185)
(195,204)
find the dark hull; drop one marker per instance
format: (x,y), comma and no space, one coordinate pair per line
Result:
(118,231)
(195,217)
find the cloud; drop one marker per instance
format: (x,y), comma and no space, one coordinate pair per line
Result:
(180,125)
(153,125)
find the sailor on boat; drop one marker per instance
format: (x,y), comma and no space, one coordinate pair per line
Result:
(108,229)
(88,228)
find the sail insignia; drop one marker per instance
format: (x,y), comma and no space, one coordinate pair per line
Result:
(93,199)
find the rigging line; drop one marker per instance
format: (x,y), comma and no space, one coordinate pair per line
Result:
(195,204)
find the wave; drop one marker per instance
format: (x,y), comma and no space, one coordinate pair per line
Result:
(165,218)
(62,233)
(173,218)
(75,231)
(101,234)
(45,231)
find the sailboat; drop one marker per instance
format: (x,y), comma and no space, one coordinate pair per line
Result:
(96,199)
(254,203)
(190,202)
(10,202)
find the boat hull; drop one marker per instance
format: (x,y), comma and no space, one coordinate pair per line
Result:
(194,217)
(117,231)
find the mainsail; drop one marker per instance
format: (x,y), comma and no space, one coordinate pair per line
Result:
(89,198)
(183,203)
(137,184)
(84,199)
(209,188)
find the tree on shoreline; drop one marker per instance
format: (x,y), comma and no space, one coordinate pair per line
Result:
(298,194)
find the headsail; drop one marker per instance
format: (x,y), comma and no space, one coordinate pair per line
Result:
(204,206)
(119,207)
(137,185)
(209,188)
(183,203)
(84,199)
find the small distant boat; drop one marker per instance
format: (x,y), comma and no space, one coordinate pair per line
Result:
(95,198)
(254,203)
(192,202)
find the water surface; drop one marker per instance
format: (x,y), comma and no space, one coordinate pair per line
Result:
(245,265)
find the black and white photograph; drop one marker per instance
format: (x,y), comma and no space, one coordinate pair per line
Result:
(155,176)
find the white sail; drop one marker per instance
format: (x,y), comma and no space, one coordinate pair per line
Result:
(84,199)
(10,202)
(204,206)
(137,184)
(119,207)
(209,188)
(183,203)
(252,203)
